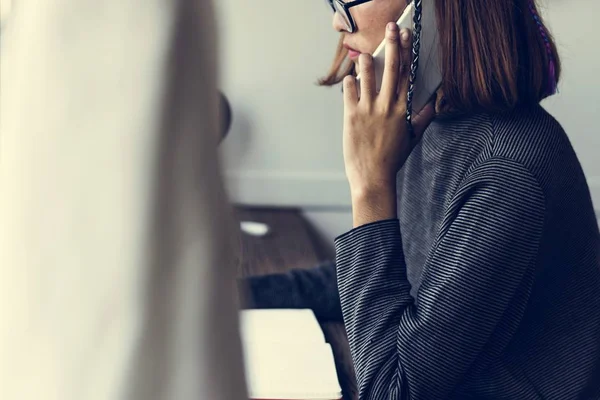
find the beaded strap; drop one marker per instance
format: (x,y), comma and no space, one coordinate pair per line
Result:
(414,66)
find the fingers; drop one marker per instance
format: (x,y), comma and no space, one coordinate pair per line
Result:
(405,61)
(367,77)
(350,90)
(391,70)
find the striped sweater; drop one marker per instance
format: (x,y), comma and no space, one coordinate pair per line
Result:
(487,286)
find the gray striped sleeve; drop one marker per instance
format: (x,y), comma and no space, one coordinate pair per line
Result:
(475,287)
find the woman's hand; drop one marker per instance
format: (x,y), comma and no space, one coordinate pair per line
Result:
(376,138)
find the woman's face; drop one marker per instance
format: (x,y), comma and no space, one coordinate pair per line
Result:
(370,19)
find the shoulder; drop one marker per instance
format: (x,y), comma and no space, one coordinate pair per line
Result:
(533,138)
(535,141)
(528,136)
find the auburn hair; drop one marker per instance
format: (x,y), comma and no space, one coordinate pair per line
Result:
(494,55)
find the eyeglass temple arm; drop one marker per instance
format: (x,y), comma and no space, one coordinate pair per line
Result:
(355,3)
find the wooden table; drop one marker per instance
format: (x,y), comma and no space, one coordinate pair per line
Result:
(292,244)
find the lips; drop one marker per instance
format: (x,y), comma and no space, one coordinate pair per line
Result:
(352,53)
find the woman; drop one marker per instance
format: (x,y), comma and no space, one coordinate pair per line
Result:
(475,273)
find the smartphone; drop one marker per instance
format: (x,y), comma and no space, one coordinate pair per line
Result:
(429,76)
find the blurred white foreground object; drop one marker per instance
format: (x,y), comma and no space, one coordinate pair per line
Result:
(114,240)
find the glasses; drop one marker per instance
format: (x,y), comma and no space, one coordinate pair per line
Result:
(344,10)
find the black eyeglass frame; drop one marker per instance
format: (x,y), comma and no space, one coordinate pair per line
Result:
(346,7)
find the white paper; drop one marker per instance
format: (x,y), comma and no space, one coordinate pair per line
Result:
(282,325)
(286,356)
(283,371)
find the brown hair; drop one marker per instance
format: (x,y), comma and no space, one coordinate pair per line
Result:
(494,55)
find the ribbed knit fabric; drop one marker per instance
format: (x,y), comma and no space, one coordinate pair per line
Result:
(487,285)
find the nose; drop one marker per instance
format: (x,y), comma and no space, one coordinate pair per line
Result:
(338,23)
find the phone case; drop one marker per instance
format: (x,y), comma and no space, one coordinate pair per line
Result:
(429,76)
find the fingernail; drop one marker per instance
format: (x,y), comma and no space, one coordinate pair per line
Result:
(404,35)
(391,26)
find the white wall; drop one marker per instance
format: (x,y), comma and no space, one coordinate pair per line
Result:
(285,144)
(577,106)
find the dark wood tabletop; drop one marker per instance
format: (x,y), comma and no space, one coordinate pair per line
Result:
(292,244)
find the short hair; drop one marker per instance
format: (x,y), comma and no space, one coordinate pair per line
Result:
(494,55)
